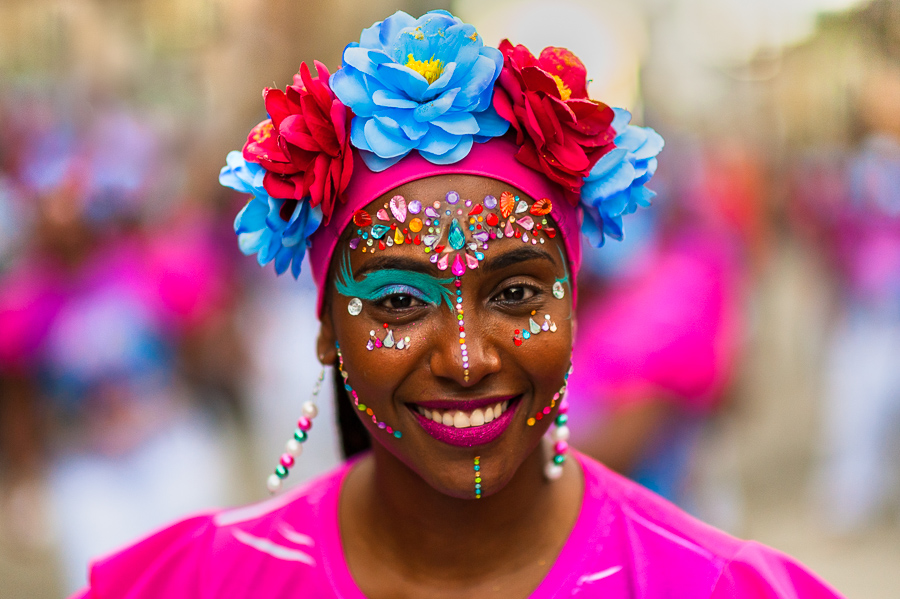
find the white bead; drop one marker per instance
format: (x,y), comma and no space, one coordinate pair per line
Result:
(552,470)
(294,447)
(310,410)
(273,483)
(560,433)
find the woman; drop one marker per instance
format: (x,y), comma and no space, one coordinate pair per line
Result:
(440,184)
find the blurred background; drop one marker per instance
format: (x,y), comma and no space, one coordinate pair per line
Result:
(740,354)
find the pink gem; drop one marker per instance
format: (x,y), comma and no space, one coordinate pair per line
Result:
(508,231)
(561,447)
(398,208)
(374,419)
(287,460)
(382,215)
(526,222)
(471,261)
(378,342)
(555,396)
(564,406)
(546,410)
(443,262)
(389,430)
(458,267)
(304,423)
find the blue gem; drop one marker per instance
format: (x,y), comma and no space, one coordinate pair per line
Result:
(378,231)
(479,256)
(477,468)
(398,434)
(526,334)
(457,238)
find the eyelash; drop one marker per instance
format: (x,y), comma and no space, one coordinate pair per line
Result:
(528,301)
(387,293)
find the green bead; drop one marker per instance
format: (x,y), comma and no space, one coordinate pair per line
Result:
(281,472)
(361,407)
(562,419)
(300,435)
(559,459)
(398,434)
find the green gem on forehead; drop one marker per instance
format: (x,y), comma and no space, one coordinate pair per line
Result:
(456,239)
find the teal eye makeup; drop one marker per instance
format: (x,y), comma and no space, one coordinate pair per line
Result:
(379,285)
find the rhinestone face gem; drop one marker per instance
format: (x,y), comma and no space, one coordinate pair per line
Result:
(378,231)
(457,238)
(414,207)
(452,197)
(559,291)
(490,202)
(355,306)
(398,208)
(382,215)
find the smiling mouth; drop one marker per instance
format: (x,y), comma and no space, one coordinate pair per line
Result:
(466,424)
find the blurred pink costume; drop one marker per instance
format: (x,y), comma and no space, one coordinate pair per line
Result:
(669,332)
(627,542)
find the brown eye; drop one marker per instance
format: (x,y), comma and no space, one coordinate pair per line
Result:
(515,294)
(401,302)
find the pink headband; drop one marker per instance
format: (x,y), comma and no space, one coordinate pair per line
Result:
(494,159)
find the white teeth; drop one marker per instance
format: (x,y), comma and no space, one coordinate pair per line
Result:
(460,420)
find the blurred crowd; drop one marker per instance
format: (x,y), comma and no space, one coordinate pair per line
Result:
(148,370)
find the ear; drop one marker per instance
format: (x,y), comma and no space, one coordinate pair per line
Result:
(326,343)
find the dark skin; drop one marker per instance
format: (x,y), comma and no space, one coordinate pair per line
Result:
(410,524)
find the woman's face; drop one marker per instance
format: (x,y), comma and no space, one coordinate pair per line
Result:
(455,336)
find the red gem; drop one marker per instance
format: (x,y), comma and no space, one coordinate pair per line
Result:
(550,231)
(492,219)
(517,331)
(539,416)
(517,341)
(462,329)
(478,209)
(361,218)
(518,233)
(478,227)
(439,249)
(385,325)
(417,240)
(381,245)
(393,225)
(538,227)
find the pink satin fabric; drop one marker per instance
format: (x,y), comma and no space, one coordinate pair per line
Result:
(627,542)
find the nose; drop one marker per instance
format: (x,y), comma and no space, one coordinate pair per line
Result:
(465,352)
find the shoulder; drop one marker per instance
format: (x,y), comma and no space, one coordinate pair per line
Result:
(658,546)
(231,553)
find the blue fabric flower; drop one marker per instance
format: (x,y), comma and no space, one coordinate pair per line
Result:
(260,228)
(615,186)
(423,84)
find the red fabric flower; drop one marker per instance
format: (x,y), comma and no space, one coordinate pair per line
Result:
(305,145)
(561,132)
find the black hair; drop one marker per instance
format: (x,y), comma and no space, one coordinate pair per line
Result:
(354,436)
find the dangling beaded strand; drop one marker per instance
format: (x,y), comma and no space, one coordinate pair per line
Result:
(360,406)
(294,447)
(560,435)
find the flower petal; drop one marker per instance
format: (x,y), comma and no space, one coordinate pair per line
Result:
(435,108)
(380,140)
(457,123)
(452,155)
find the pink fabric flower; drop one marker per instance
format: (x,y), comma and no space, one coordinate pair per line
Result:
(305,145)
(561,132)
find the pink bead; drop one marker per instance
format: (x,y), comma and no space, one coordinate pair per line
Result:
(564,406)
(546,410)
(561,447)
(304,423)
(287,460)
(389,430)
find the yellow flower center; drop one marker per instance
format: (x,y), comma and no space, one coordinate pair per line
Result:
(431,69)
(564,91)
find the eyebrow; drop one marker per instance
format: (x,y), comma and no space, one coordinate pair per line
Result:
(394,263)
(516,256)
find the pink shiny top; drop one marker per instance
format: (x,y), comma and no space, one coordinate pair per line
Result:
(626,542)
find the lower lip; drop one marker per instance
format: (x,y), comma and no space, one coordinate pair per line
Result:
(471,436)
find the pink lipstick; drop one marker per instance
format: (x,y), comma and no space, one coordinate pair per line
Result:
(466,424)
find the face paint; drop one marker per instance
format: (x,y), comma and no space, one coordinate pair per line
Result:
(379,285)
(360,406)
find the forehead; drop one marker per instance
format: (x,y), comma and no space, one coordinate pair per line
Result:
(451,221)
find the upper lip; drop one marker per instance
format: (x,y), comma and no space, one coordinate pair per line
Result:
(464,405)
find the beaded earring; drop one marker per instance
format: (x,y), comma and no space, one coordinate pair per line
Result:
(294,447)
(560,435)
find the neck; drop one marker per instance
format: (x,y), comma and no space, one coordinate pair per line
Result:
(396,514)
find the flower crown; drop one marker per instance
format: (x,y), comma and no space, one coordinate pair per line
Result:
(430,85)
